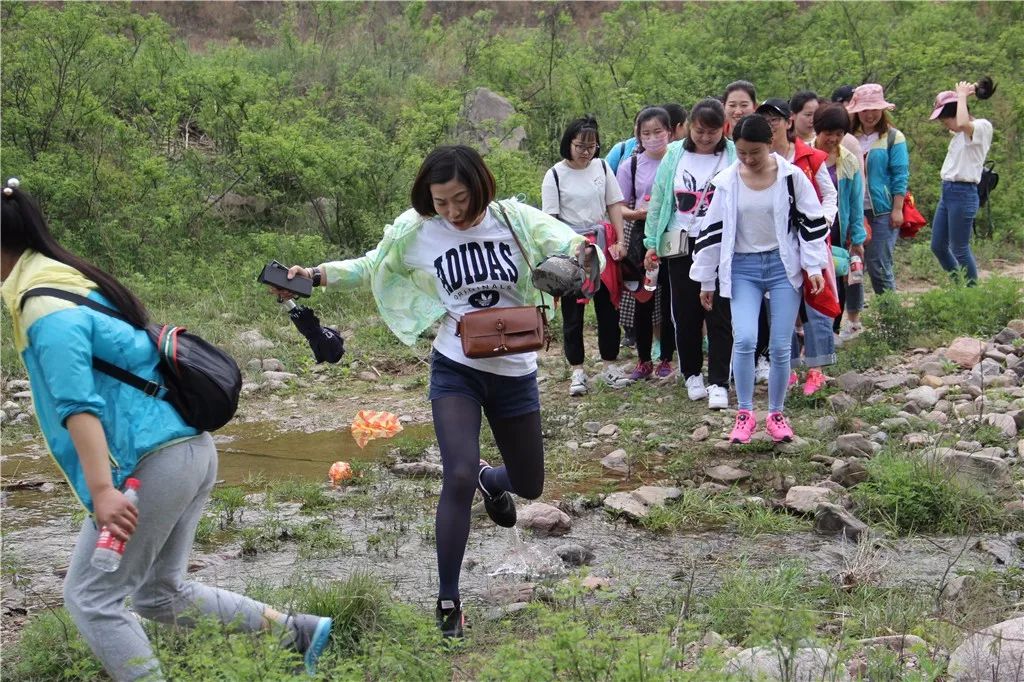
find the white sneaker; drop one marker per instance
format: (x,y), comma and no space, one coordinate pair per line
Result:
(613,377)
(761,370)
(578,384)
(718,397)
(695,387)
(850,331)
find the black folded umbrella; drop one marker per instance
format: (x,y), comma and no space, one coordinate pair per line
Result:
(327,344)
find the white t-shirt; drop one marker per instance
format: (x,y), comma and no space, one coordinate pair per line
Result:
(866,143)
(581,197)
(755,224)
(692,177)
(476,268)
(965,158)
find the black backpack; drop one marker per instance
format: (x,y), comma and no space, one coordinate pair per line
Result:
(201,381)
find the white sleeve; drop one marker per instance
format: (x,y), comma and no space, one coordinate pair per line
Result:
(982,133)
(549,202)
(707,249)
(814,251)
(829,194)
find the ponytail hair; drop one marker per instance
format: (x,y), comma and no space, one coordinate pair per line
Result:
(985,87)
(25,228)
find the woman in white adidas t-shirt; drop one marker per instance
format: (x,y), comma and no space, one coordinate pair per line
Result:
(452,253)
(961,172)
(581,191)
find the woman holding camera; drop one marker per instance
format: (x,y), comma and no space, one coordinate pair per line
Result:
(961,172)
(101,432)
(457,251)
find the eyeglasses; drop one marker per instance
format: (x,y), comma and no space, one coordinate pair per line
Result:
(586,148)
(775,120)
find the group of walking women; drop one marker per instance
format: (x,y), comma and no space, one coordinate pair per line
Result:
(731,201)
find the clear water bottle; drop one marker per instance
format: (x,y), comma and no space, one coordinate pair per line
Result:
(856,271)
(109,550)
(651,276)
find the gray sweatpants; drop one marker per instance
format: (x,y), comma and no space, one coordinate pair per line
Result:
(175,484)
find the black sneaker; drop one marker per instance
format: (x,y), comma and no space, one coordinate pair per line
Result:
(450,619)
(628,339)
(501,508)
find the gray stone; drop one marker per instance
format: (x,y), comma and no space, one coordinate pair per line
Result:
(894,423)
(842,402)
(856,445)
(924,397)
(932,367)
(712,488)
(932,380)
(826,424)
(18,385)
(986,368)
(22,395)
(957,588)
(891,381)
(616,461)
(995,654)
(367,375)
(806,498)
(917,440)
(417,469)
(608,430)
(574,555)
(723,473)
(802,665)
(545,519)
(1004,423)
(485,116)
(255,364)
(255,340)
(627,505)
(1000,549)
(279,376)
(700,433)
(1007,336)
(856,384)
(831,519)
(897,643)
(965,351)
(273,365)
(996,355)
(656,496)
(991,472)
(848,473)
(591,427)
(1016,325)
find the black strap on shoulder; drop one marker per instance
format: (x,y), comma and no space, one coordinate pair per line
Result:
(148,387)
(792,202)
(558,189)
(632,168)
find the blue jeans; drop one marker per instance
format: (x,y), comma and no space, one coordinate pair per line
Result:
(753,274)
(819,340)
(952,227)
(878,252)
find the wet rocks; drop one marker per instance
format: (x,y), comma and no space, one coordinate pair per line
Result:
(831,519)
(995,654)
(574,555)
(417,469)
(806,498)
(544,519)
(723,473)
(809,664)
(617,461)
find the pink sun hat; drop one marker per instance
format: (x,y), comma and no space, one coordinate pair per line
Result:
(941,100)
(867,97)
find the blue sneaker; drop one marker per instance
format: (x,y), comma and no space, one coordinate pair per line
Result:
(311,636)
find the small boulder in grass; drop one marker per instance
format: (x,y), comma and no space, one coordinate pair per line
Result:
(544,519)
(965,351)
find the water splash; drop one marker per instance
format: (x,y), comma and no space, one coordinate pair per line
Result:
(528,561)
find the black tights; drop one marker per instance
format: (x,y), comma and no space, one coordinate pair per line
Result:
(457,424)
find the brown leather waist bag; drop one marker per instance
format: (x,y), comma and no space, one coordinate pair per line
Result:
(504,331)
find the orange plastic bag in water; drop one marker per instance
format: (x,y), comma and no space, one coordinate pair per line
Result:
(370,424)
(339,471)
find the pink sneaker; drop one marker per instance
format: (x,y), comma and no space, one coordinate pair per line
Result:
(664,370)
(746,424)
(778,428)
(793,379)
(643,370)
(815,380)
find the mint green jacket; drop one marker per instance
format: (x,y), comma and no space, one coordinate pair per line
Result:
(407,298)
(662,209)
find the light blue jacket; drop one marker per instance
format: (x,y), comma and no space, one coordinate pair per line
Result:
(620,150)
(62,340)
(851,199)
(662,209)
(887,170)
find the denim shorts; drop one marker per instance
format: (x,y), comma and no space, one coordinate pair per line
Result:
(499,396)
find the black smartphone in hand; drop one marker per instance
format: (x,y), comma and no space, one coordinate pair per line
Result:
(276,275)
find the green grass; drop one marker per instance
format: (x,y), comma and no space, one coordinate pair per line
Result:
(696,510)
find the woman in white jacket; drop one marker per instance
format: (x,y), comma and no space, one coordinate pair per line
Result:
(763,231)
